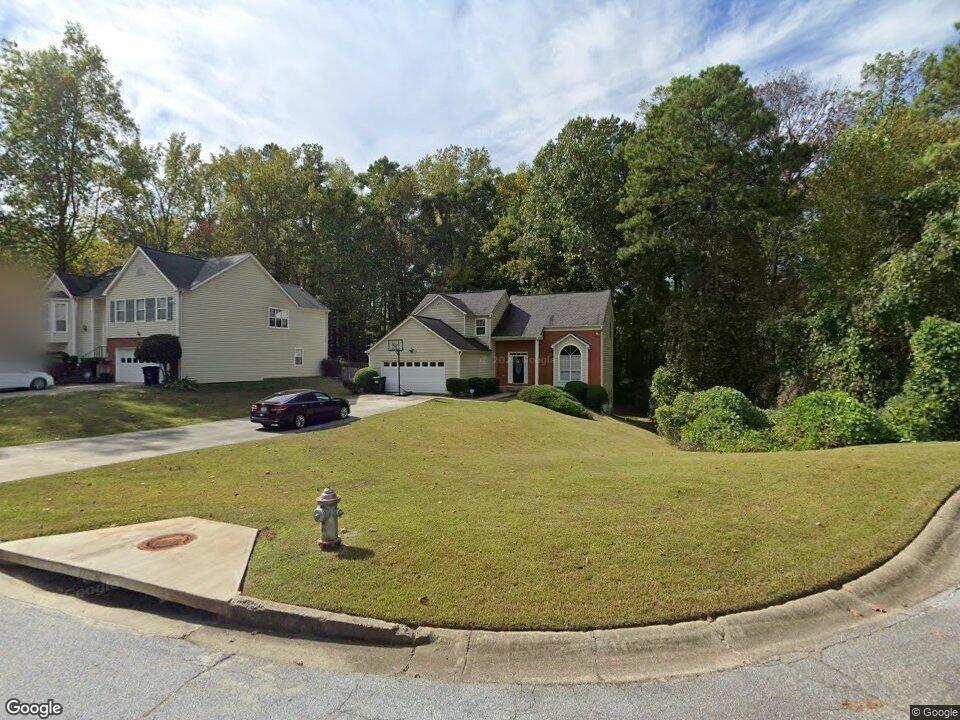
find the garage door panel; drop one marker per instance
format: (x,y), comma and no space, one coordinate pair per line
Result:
(417,377)
(128,370)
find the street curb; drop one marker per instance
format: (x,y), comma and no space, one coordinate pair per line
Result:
(929,564)
(297,620)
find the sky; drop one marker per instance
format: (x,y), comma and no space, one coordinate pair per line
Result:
(402,79)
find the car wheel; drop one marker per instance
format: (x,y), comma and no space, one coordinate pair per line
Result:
(38,384)
(344,412)
(300,421)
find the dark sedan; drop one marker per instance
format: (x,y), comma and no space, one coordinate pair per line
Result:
(298,408)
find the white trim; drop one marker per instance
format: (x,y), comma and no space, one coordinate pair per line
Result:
(536,361)
(486,324)
(573,336)
(297,352)
(526,367)
(123,269)
(279,310)
(62,284)
(584,348)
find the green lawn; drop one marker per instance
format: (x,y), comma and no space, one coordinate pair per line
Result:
(507,515)
(43,417)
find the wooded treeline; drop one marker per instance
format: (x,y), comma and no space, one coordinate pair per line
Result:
(774,238)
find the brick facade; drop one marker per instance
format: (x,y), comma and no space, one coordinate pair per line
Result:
(505,347)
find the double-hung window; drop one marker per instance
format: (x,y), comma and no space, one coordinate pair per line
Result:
(481,328)
(570,367)
(141,310)
(161,309)
(45,318)
(298,356)
(60,317)
(278,318)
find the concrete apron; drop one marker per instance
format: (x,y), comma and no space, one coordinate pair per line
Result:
(928,565)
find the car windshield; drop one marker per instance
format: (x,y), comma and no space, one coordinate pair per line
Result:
(282,398)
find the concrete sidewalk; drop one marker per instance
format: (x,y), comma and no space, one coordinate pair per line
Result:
(27,461)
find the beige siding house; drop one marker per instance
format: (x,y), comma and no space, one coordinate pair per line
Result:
(520,339)
(234,320)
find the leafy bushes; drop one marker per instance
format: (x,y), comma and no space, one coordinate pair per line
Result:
(162,349)
(363,378)
(553,399)
(184,384)
(830,418)
(457,386)
(666,384)
(929,407)
(577,390)
(596,397)
(720,419)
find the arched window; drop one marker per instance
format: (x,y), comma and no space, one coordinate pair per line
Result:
(570,365)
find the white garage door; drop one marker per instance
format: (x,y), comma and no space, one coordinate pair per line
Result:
(128,369)
(422,376)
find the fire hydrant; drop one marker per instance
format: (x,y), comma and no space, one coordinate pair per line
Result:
(326,514)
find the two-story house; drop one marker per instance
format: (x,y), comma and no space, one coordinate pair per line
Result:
(519,339)
(234,320)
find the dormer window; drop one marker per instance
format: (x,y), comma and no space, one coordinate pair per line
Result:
(481,328)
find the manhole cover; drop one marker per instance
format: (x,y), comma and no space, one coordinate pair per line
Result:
(165,542)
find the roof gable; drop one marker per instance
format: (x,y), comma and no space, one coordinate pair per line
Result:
(472,303)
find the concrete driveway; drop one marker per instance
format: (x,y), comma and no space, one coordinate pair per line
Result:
(27,461)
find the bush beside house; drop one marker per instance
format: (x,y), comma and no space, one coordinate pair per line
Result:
(163,349)
(364,377)
(553,399)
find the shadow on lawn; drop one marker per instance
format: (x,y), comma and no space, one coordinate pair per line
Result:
(644,423)
(349,552)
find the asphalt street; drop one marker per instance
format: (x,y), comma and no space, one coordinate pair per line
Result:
(95,670)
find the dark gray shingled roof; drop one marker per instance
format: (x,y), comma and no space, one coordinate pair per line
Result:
(528,315)
(450,335)
(475,303)
(302,298)
(87,285)
(186,272)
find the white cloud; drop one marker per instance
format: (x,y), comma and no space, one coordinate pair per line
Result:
(367,79)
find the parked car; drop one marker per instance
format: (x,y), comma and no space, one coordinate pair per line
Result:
(14,378)
(298,408)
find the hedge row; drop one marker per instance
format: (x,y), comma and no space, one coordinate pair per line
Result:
(460,387)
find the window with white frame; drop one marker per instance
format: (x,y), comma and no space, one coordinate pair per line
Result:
(152,309)
(278,318)
(481,328)
(59,317)
(298,356)
(570,365)
(45,318)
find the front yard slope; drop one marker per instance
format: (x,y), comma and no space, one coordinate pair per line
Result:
(507,515)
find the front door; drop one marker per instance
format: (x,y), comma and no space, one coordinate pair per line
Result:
(518,369)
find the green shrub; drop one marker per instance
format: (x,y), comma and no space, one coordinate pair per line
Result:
(491,386)
(596,397)
(723,430)
(457,386)
(184,384)
(577,390)
(363,378)
(828,419)
(666,384)
(476,384)
(929,407)
(721,419)
(915,417)
(553,399)
(162,349)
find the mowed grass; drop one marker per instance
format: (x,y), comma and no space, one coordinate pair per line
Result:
(43,417)
(507,515)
